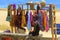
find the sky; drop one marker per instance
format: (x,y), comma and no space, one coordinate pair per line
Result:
(5,3)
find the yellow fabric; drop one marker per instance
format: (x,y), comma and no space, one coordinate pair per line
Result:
(44,20)
(23,19)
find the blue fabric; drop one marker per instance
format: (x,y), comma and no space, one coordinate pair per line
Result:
(7,31)
(45,8)
(40,20)
(28,22)
(40,17)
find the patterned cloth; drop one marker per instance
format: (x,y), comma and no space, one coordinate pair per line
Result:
(40,20)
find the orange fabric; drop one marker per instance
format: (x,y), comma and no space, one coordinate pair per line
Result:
(44,21)
(44,18)
(5,38)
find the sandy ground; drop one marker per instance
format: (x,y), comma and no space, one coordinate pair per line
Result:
(5,25)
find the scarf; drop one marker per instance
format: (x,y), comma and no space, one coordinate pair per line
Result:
(28,22)
(23,19)
(47,24)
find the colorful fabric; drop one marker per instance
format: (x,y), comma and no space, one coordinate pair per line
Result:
(40,19)
(38,8)
(26,17)
(9,16)
(29,23)
(14,6)
(18,10)
(45,21)
(42,13)
(35,17)
(23,19)
(14,9)
(31,17)
(9,10)
(47,24)
(18,19)
(12,23)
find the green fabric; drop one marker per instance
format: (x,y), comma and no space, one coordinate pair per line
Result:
(9,15)
(9,18)
(9,10)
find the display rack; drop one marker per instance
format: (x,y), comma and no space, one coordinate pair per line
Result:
(52,17)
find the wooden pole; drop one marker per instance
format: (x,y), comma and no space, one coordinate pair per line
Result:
(31,5)
(54,12)
(51,21)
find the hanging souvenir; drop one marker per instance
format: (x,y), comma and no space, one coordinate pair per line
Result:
(9,15)
(23,19)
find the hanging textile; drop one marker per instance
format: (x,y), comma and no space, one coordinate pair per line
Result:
(40,20)
(38,8)
(26,17)
(31,17)
(18,10)
(44,18)
(23,19)
(14,12)
(16,21)
(9,15)
(18,17)
(14,9)
(47,24)
(35,17)
(19,20)
(40,17)
(12,23)
(28,22)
